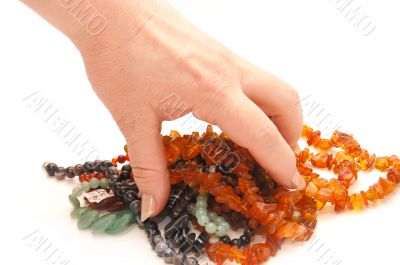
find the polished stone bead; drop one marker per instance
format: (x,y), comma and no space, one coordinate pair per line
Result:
(60,173)
(235,242)
(74,201)
(191,261)
(155,239)
(212,216)
(69,171)
(94,183)
(104,222)
(111,171)
(211,228)
(135,207)
(201,205)
(127,168)
(122,222)
(78,212)
(51,169)
(88,167)
(168,255)
(213,239)
(248,232)
(150,224)
(78,169)
(104,183)
(124,175)
(244,240)
(191,208)
(104,165)
(201,212)
(77,191)
(88,218)
(139,222)
(219,220)
(85,186)
(178,259)
(203,220)
(225,239)
(160,248)
(130,196)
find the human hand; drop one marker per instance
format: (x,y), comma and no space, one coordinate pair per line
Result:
(149,52)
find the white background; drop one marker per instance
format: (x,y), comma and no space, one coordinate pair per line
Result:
(309,43)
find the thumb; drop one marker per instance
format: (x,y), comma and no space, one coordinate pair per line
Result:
(149,165)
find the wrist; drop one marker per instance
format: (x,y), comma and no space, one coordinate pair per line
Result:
(109,24)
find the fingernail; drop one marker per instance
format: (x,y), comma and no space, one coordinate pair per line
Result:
(298,181)
(148,207)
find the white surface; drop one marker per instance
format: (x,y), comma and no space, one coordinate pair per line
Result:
(308,43)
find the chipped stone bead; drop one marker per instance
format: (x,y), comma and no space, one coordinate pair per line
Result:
(87,219)
(74,201)
(121,223)
(201,204)
(78,212)
(201,212)
(103,223)
(160,248)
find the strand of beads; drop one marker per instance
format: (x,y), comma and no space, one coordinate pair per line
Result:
(214,224)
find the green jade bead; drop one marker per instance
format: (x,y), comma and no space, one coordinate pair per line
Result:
(78,212)
(74,201)
(94,183)
(87,219)
(203,220)
(104,222)
(211,228)
(76,192)
(121,223)
(85,186)
(104,183)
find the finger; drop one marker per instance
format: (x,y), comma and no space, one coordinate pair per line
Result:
(248,126)
(149,166)
(278,100)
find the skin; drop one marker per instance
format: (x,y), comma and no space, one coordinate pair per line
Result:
(147,54)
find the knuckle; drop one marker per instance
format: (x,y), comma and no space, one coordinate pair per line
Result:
(267,135)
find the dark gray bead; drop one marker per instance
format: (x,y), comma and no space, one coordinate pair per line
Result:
(88,167)
(69,171)
(155,239)
(178,259)
(191,261)
(135,207)
(160,248)
(244,240)
(168,255)
(60,173)
(78,169)
(139,222)
(51,169)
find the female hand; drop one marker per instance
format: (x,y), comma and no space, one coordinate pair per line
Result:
(149,54)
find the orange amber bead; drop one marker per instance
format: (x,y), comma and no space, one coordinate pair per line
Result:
(322,160)
(382,163)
